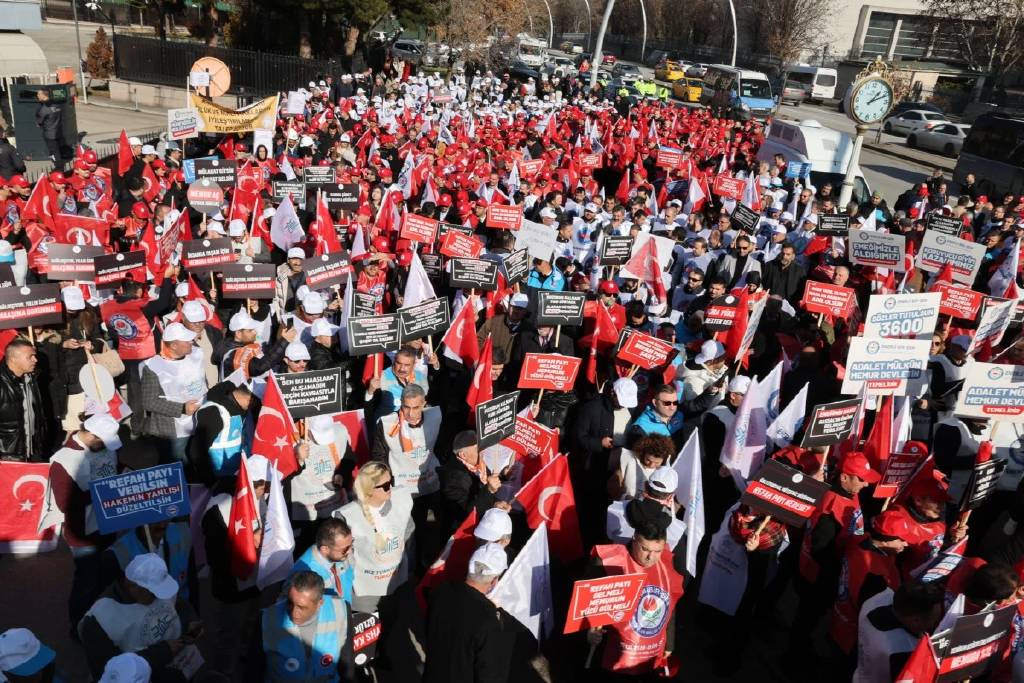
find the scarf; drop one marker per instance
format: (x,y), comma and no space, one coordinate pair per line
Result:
(479,469)
(403,429)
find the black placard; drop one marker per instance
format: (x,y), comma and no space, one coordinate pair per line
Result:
(833,225)
(365,634)
(745,218)
(432,265)
(831,423)
(327,270)
(248,280)
(317,392)
(984,478)
(430,317)
(560,308)
(71,261)
(319,175)
(786,494)
(31,305)
(374,334)
(340,195)
(444,228)
(363,305)
(472,273)
(615,249)
(947,225)
(296,189)
(202,256)
(516,265)
(721,313)
(496,420)
(205,196)
(221,171)
(6,275)
(113,268)
(967,650)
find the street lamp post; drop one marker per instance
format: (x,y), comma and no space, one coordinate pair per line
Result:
(735,35)
(78,42)
(590,23)
(643,44)
(551,24)
(600,42)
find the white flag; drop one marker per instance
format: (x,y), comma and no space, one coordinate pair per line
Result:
(358,243)
(690,494)
(525,589)
(286,167)
(405,175)
(278,541)
(347,307)
(1007,271)
(513,179)
(418,287)
(743,451)
(784,427)
(902,424)
(285,228)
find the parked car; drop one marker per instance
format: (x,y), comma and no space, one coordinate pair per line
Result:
(628,73)
(697,70)
(793,92)
(668,70)
(907,106)
(608,59)
(407,50)
(947,138)
(688,89)
(562,67)
(908,121)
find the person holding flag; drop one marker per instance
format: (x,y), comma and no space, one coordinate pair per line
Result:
(242,353)
(892,624)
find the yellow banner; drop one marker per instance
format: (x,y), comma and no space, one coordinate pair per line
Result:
(214,118)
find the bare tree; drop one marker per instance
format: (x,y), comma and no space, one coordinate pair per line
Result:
(788,28)
(989,34)
(468,27)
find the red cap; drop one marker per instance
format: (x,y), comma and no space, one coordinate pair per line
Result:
(444,200)
(178,176)
(364,210)
(81,165)
(481,203)
(892,523)
(385,172)
(329,115)
(856,464)
(404,258)
(140,210)
(17,181)
(608,287)
(158,163)
(927,485)
(983,199)
(57,178)
(915,448)
(90,156)
(381,244)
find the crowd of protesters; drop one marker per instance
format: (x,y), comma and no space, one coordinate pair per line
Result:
(401,515)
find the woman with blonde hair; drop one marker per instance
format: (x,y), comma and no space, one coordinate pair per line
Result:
(381,522)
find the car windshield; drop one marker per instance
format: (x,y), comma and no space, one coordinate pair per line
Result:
(934,117)
(755,88)
(531,50)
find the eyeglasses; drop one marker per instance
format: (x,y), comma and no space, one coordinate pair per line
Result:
(696,279)
(668,403)
(386,486)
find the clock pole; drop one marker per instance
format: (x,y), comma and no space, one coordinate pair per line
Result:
(851,166)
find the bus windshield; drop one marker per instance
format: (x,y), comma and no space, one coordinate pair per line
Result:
(531,50)
(755,88)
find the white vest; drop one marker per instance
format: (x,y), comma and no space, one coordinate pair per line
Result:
(83,466)
(620,531)
(967,452)
(634,476)
(415,471)
(380,569)
(182,380)
(874,647)
(953,373)
(135,627)
(313,495)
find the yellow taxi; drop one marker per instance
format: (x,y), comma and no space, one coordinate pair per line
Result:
(688,89)
(667,70)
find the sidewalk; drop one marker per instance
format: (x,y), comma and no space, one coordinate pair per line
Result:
(901,151)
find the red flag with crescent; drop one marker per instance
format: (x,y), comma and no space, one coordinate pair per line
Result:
(22,499)
(481,389)
(41,205)
(275,431)
(548,497)
(242,524)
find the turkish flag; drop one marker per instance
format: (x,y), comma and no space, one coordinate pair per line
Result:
(41,205)
(242,205)
(125,157)
(275,431)
(622,193)
(72,229)
(354,422)
(242,523)
(481,389)
(879,442)
(452,563)
(645,264)
(548,497)
(944,275)
(259,226)
(22,499)
(322,231)
(734,335)
(460,339)
(606,334)
(921,667)
(152,188)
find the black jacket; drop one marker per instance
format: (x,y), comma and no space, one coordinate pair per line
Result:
(65,365)
(467,639)
(208,425)
(787,283)
(13,440)
(48,120)
(595,420)
(461,491)
(11,163)
(322,357)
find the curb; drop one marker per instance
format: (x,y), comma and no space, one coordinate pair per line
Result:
(945,164)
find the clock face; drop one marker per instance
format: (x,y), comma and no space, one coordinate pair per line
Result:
(872,101)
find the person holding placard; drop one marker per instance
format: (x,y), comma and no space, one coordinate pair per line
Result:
(320,486)
(170,540)
(244,355)
(173,387)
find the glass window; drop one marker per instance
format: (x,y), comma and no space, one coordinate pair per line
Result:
(879,32)
(911,116)
(934,117)
(755,88)
(802,79)
(827,80)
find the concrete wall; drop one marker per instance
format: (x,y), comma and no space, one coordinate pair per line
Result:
(20,15)
(155,96)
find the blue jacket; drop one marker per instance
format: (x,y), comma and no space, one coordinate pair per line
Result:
(313,561)
(649,422)
(554,282)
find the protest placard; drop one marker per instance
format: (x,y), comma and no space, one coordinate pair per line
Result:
(30,305)
(496,419)
(589,162)
(296,189)
(721,313)
(223,172)
(363,304)
(318,176)
(824,297)
(71,261)
(798,169)
(340,196)
(745,218)
(202,256)
(539,239)
(604,601)
(111,269)
(831,423)
(189,168)
(129,500)
(727,186)
(248,280)
(295,105)
(531,438)
(366,631)
(982,484)
(432,265)
(530,168)
(445,228)
(947,225)
(6,275)
(426,318)
(560,308)
(884,366)
(418,228)
(327,270)
(456,244)
(992,391)
(316,392)
(643,350)
(937,250)
(205,196)
(516,265)
(902,316)
(615,249)
(786,494)
(878,249)
(958,301)
(993,321)
(471,273)
(374,334)
(898,469)
(669,157)
(549,371)
(504,216)
(970,649)
(833,225)
(183,123)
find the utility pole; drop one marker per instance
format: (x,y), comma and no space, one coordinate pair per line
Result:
(600,42)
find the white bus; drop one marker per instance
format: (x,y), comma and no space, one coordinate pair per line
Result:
(819,81)
(531,51)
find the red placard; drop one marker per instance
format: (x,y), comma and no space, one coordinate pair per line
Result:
(459,245)
(528,169)
(958,301)
(824,297)
(419,228)
(549,371)
(589,162)
(504,216)
(532,438)
(645,351)
(601,602)
(899,468)
(727,186)
(669,157)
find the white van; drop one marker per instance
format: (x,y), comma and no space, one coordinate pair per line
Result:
(827,150)
(739,93)
(818,81)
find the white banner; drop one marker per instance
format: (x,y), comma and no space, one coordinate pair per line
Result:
(938,249)
(996,315)
(183,123)
(884,366)
(878,249)
(538,238)
(993,391)
(296,103)
(902,316)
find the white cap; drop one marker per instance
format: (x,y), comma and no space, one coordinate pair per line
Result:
(105,428)
(181,289)
(495,524)
(296,351)
(134,142)
(22,654)
(269,211)
(786,216)
(258,467)
(739,385)
(242,321)
(709,350)
(296,252)
(301,292)
(236,228)
(625,392)
(73,298)
(218,217)
(322,328)
(194,312)
(150,572)
(591,207)
(293,135)
(520,300)
(345,137)
(148,149)
(321,428)
(663,480)
(488,560)
(780,229)
(313,303)
(812,219)
(675,202)
(306,141)
(215,226)
(126,667)
(178,332)
(548,213)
